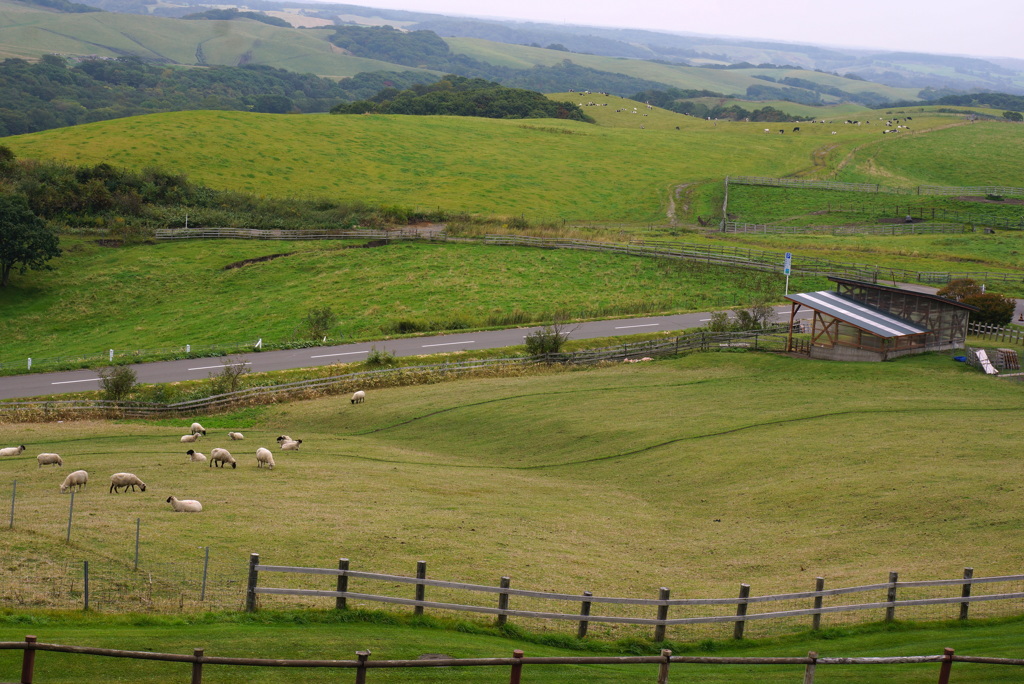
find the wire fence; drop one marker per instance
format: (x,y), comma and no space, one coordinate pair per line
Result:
(892,229)
(976,190)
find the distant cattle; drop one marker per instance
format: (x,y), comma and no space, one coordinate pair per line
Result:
(796,129)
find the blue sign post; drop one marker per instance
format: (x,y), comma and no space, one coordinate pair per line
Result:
(788,268)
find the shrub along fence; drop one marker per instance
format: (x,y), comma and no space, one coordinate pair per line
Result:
(658,666)
(742,609)
(771,339)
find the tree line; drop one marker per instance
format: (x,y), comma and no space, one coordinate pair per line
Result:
(681,102)
(460,96)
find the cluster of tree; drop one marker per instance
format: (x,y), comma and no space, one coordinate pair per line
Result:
(681,101)
(233,13)
(460,96)
(1013,103)
(806,88)
(51,94)
(993,308)
(64,6)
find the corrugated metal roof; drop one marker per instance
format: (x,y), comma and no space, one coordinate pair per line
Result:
(857,314)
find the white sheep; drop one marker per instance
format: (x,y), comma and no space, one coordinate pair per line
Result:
(49,459)
(12,451)
(185,505)
(292,445)
(190,438)
(195,456)
(220,457)
(264,458)
(284,438)
(198,429)
(77,479)
(235,436)
(358,397)
(126,480)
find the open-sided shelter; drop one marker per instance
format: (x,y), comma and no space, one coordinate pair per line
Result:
(862,321)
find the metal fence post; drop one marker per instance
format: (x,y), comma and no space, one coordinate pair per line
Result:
(250,591)
(741,610)
(340,602)
(584,610)
(659,629)
(819,585)
(206,567)
(14,493)
(890,612)
(505,583)
(421,589)
(28,660)
(138,523)
(71,510)
(965,592)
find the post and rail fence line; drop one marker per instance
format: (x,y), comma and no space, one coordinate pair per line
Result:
(741,606)
(973,191)
(519,661)
(892,229)
(995,332)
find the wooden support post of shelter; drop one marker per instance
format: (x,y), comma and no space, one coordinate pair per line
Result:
(421,589)
(965,592)
(659,629)
(741,610)
(341,602)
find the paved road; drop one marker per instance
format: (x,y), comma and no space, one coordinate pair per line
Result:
(40,384)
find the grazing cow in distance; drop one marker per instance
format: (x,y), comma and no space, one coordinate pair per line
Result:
(796,129)
(782,131)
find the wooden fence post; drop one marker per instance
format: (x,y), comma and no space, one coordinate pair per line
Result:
(811,667)
(947,665)
(250,590)
(517,668)
(361,670)
(890,612)
(819,585)
(85,584)
(965,592)
(197,666)
(505,583)
(659,630)
(421,589)
(341,603)
(663,668)
(28,660)
(584,610)
(741,610)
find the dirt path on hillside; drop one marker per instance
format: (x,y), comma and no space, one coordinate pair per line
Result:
(673,197)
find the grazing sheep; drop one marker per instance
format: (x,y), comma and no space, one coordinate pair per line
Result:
(264,458)
(359,397)
(194,456)
(198,429)
(284,438)
(185,505)
(49,459)
(292,445)
(77,479)
(235,436)
(220,457)
(12,451)
(126,480)
(190,438)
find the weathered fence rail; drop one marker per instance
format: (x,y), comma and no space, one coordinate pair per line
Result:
(892,229)
(741,615)
(996,332)
(362,663)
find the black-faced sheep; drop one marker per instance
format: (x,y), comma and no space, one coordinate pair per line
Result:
(220,457)
(235,436)
(77,479)
(359,397)
(12,451)
(185,505)
(284,438)
(198,429)
(194,455)
(126,480)
(264,458)
(49,459)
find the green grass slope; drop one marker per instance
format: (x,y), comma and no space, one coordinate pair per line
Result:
(696,474)
(547,170)
(29,32)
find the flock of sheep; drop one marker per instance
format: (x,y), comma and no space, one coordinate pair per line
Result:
(219,457)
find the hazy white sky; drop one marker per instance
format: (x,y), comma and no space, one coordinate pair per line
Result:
(992,28)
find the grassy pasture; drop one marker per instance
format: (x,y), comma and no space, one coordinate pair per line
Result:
(173,293)
(697,474)
(545,170)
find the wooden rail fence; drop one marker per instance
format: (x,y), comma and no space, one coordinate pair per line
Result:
(976,190)
(996,332)
(892,229)
(362,663)
(342,592)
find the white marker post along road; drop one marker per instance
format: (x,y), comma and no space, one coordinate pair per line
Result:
(42,384)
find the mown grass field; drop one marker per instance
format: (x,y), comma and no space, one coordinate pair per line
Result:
(696,474)
(321,636)
(175,293)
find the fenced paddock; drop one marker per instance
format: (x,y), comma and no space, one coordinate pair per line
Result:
(659,668)
(916,600)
